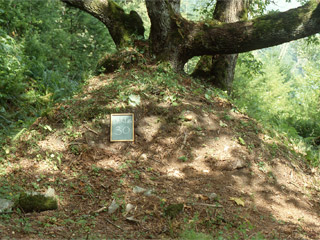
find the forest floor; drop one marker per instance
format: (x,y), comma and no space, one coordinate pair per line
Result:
(221,172)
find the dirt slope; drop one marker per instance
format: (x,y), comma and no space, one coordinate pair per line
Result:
(191,147)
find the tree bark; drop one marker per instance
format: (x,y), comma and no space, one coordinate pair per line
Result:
(165,16)
(243,36)
(123,28)
(219,69)
(180,39)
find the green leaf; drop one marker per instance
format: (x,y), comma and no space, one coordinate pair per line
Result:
(207,96)
(241,141)
(134,100)
(175,104)
(183,158)
(222,124)
(47,127)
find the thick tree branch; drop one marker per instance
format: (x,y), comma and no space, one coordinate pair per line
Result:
(121,26)
(219,69)
(243,36)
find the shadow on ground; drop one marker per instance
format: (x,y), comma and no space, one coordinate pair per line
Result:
(200,152)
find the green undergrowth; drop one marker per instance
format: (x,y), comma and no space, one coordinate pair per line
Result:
(128,89)
(281,91)
(125,91)
(47,50)
(229,232)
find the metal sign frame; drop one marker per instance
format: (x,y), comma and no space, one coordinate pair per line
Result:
(121,130)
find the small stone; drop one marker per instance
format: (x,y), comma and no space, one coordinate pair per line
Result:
(137,189)
(36,202)
(132,219)
(213,196)
(113,207)
(5,205)
(50,192)
(188,117)
(129,207)
(148,193)
(239,164)
(143,156)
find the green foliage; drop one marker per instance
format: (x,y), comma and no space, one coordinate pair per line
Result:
(191,234)
(281,88)
(140,7)
(250,65)
(47,50)
(12,83)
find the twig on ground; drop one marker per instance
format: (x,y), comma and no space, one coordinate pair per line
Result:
(91,130)
(75,143)
(207,205)
(100,210)
(184,140)
(114,224)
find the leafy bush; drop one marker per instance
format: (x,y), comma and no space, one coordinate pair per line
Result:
(283,91)
(47,50)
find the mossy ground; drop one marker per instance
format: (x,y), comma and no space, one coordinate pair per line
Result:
(190,142)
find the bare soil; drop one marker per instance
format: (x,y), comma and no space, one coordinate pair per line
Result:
(201,153)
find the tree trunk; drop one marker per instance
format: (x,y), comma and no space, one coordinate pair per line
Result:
(164,35)
(124,28)
(219,69)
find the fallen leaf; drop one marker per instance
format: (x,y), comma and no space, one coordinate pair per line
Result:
(129,207)
(132,219)
(187,207)
(202,197)
(134,100)
(113,207)
(222,124)
(238,201)
(241,141)
(149,212)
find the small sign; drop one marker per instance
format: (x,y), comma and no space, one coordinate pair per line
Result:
(122,127)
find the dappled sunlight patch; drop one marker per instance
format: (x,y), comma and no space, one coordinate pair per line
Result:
(98,82)
(47,167)
(108,163)
(174,172)
(148,127)
(163,105)
(200,167)
(169,141)
(223,148)
(52,143)
(26,163)
(32,167)
(284,211)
